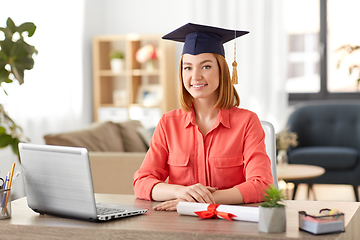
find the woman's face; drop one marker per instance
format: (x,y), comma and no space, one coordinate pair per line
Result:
(201,75)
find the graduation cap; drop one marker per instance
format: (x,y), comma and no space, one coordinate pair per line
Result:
(205,39)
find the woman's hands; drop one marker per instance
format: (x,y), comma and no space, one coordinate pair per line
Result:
(168,205)
(194,193)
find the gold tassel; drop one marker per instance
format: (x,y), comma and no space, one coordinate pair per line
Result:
(234,78)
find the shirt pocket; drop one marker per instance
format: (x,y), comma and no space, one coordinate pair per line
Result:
(180,171)
(228,161)
(227,171)
(178,160)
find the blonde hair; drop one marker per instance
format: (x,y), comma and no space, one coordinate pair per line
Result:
(228,96)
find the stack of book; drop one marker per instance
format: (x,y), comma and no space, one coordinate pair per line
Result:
(321,224)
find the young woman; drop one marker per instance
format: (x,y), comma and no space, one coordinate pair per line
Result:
(209,151)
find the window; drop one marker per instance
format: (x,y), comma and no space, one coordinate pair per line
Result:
(303,63)
(303,75)
(315,30)
(343,18)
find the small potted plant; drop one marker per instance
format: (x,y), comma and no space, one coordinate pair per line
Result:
(272,217)
(284,140)
(117,61)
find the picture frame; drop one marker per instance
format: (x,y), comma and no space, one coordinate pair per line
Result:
(150,95)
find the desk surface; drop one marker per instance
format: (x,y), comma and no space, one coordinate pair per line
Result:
(288,172)
(26,224)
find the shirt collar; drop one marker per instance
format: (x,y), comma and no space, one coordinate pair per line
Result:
(190,118)
(223,118)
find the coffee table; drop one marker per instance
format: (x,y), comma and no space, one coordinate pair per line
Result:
(289,172)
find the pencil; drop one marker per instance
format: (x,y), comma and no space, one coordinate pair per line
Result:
(4,191)
(9,187)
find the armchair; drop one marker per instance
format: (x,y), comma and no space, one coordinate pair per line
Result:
(328,136)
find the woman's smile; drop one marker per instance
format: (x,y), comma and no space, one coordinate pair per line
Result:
(198,86)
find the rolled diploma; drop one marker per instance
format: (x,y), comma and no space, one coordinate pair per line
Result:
(242,213)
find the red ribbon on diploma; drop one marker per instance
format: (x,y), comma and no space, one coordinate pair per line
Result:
(212,213)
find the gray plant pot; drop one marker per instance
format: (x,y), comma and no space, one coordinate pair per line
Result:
(272,220)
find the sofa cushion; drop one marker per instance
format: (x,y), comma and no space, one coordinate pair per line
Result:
(145,134)
(327,125)
(131,139)
(104,136)
(330,158)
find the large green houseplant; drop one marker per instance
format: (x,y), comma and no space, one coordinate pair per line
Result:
(16,56)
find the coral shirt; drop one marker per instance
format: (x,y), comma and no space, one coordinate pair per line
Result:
(231,154)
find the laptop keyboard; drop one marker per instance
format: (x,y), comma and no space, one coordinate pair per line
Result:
(106,211)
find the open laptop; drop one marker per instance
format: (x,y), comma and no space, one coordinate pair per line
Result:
(58,182)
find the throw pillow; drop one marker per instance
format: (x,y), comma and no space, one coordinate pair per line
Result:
(99,137)
(145,134)
(131,139)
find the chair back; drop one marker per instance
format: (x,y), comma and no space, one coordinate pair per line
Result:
(327,125)
(270,144)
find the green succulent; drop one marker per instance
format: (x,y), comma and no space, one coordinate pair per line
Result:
(116,54)
(273,198)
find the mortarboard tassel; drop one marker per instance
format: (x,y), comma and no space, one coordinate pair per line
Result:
(234,78)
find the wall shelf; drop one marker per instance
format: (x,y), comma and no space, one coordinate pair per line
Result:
(135,85)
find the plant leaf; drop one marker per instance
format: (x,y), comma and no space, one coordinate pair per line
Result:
(4,75)
(11,26)
(27,27)
(2,130)
(14,145)
(24,62)
(17,54)
(3,59)
(6,47)
(27,48)
(18,72)
(273,197)
(5,140)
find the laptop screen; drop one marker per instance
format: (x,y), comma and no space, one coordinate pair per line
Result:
(58,180)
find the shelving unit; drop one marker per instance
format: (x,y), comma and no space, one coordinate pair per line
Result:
(136,88)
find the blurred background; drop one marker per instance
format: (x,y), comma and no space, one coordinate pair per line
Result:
(289,58)
(280,61)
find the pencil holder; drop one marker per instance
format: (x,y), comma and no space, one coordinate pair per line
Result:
(5,206)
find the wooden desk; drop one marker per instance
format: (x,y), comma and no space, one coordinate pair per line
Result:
(26,224)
